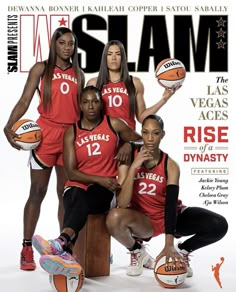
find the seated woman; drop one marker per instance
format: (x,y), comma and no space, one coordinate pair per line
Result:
(89,151)
(148,205)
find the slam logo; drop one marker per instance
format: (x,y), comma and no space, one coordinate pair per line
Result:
(201,45)
(28,39)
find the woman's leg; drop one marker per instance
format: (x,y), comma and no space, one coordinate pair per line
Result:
(38,189)
(61,179)
(127,224)
(206,227)
(39,184)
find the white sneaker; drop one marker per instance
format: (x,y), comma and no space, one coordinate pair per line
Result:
(139,257)
(185,254)
(149,262)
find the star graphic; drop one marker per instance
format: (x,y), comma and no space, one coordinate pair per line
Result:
(221,44)
(62,21)
(221,22)
(221,33)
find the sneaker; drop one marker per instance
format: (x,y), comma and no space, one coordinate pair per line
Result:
(47,247)
(139,257)
(111,259)
(185,254)
(150,263)
(63,264)
(27,259)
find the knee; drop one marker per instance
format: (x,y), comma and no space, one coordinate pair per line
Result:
(37,192)
(113,219)
(220,226)
(224,226)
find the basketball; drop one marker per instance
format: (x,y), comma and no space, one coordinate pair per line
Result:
(61,283)
(30,134)
(170,73)
(170,276)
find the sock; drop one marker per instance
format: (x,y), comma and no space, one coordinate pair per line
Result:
(68,249)
(27,242)
(65,238)
(136,245)
(183,250)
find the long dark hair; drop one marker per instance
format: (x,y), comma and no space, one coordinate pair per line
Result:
(103,76)
(50,64)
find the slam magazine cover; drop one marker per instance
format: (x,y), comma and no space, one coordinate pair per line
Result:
(199,119)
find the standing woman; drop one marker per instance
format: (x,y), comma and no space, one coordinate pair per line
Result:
(58,80)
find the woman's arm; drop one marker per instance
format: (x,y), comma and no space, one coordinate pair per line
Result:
(23,103)
(172,191)
(141,110)
(124,131)
(126,192)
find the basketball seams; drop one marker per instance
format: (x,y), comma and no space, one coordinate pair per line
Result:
(61,283)
(30,134)
(20,123)
(27,142)
(30,131)
(36,138)
(171,277)
(167,285)
(164,273)
(164,70)
(170,73)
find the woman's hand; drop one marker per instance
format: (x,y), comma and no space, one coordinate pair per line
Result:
(171,254)
(109,183)
(10,134)
(124,154)
(168,92)
(142,156)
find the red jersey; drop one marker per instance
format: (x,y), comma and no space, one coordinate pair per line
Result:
(95,150)
(149,193)
(116,101)
(64,97)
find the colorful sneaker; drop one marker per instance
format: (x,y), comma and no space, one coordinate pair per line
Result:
(139,257)
(185,254)
(27,258)
(47,247)
(63,264)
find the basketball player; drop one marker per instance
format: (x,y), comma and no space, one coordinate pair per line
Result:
(123,97)
(123,94)
(148,205)
(90,147)
(58,82)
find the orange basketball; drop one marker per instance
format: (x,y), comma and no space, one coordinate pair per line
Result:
(61,283)
(171,275)
(29,132)
(170,73)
